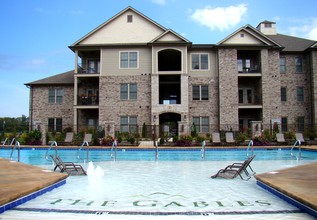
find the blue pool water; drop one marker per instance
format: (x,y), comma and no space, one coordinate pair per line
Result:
(38,156)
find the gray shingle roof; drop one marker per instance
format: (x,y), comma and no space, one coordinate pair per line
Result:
(292,44)
(66,78)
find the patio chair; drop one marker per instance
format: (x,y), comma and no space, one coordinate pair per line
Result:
(299,137)
(236,169)
(229,138)
(280,139)
(216,138)
(87,138)
(69,167)
(68,139)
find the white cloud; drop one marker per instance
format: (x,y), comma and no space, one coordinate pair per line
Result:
(306,28)
(159,2)
(219,18)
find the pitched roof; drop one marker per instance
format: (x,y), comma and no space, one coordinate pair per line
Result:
(292,44)
(66,78)
(113,18)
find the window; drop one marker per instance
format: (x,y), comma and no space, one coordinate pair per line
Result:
(128,59)
(129,18)
(199,61)
(299,64)
(284,124)
(283,94)
(200,92)
(282,64)
(93,66)
(128,91)
(55,124)
(201,124)
(300,94)
(267,25)
(128,124)
(301,123)
(245,96)
(55,95)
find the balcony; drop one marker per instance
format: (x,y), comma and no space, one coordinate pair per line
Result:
(248,62)
(88,100)
(93,67)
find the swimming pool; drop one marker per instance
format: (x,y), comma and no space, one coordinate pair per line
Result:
(40,156)
(177,185)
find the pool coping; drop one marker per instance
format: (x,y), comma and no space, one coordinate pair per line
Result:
(293,185)
(22,182)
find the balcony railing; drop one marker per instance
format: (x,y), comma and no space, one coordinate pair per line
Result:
(88,100)
(82,69)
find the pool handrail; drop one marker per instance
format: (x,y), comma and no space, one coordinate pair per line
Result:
(203,149)
(249,146)
(299,149)
(114,149)
(156,150)
(16,145)
(53,143)
(87,149)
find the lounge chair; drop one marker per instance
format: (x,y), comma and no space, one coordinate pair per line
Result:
(216,138)
(229,138)
(280,139)
(68,139)
(236,169)
(299,137)
(87,138)
(69,167)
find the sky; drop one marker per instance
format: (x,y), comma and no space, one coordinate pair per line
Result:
(36,33)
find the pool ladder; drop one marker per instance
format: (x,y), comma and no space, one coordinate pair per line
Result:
(53,143)
(16,145)
(87,150)
(299,143)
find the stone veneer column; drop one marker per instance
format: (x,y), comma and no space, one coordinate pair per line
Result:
(314,85)
(271,86)
(228,89)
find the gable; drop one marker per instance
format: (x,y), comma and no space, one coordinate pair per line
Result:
(243,37)
(128,27)
(170,36)
(248,35)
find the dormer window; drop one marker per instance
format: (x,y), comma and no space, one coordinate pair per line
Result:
(129,18)
(267,25)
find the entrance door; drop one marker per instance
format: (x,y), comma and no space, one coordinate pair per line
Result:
(169,124)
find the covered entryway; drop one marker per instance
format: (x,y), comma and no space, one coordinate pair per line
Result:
(169,124)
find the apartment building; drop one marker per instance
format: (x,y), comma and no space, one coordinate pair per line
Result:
(131,71)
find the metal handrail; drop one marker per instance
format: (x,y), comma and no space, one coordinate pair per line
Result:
(203,149)
(113,151)
(156,150)
(87,149)
(16,145)
(249,146)
(53,143)
(299,149)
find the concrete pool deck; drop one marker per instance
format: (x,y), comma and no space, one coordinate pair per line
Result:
(18,180)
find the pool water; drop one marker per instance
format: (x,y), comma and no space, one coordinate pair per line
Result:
(177,185)
(40,156)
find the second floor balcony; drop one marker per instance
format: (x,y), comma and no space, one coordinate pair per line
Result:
(88,100)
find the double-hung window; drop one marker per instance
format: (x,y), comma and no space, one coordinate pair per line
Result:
(128,91)
(55,124)
(300,93)
(201,124)
(200,92)
(128,124)
(299,64)
(200,61)
(301,123)
(283,94)
(129,59)
(55,96)
(282,65)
